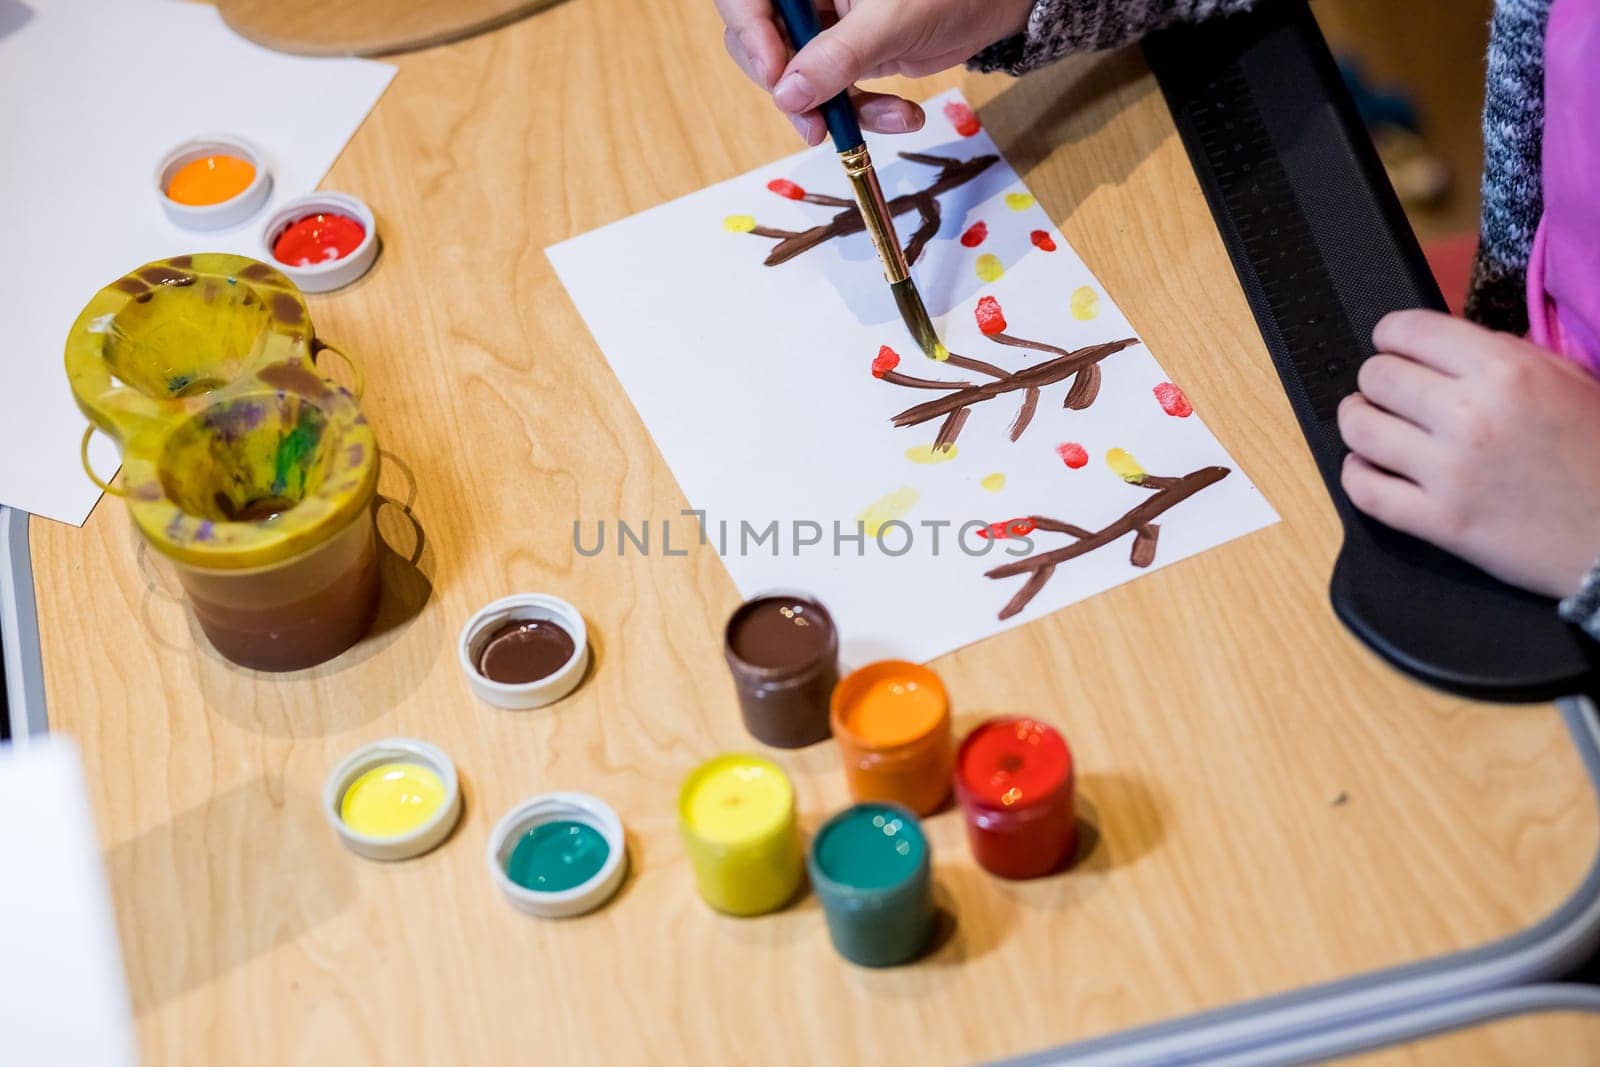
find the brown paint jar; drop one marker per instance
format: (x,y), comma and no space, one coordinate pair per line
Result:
(783,651)
(891,720)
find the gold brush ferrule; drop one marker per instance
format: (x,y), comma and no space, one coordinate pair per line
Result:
(875,212)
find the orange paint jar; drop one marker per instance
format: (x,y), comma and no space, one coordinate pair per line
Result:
(892,722)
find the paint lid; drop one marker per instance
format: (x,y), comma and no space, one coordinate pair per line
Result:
(234,208)
(349,260)
(553,837)
(891,710)
(518,618)
(393,799)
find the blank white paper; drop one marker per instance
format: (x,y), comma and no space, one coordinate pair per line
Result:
(93,93)
(757,383)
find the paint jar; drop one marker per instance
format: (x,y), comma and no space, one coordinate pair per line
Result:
(322,241)
(557,855)
(892,722)
(523,651)
(242,464)
(393,799)
(783,651)
(1014,781)
(213,182)
(736,814)
(870,867)
(271,526)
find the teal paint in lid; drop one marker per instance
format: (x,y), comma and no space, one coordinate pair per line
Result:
(555,856)
(870,867)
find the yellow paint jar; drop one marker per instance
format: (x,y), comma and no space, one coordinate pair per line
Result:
(736,814)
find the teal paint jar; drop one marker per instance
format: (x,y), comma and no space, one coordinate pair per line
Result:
(870,865)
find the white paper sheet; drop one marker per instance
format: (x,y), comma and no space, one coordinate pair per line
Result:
(92,95)
(756,382)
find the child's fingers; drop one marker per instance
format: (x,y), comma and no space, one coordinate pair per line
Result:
(1390,499)
(1384,439)
(1441,341)
(1414,391)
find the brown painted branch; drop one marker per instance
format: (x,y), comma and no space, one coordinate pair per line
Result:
(1030,404)
(1056,526)
(828,201)
(1038,376)
(1144,545)
(1085,387)
(1136,521)
(894,377)
(950,428)
(953,173)
(967,363)
(768,231)
(1023,342)
(928,207)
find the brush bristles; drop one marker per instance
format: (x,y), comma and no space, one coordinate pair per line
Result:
(909,301)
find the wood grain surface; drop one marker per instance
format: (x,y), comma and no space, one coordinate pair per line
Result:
(1268,805)
(1548,1038)
(367,27)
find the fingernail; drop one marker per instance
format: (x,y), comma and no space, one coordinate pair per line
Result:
(793,92)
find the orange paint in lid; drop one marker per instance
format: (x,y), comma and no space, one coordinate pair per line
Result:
(210,180)
(892,722)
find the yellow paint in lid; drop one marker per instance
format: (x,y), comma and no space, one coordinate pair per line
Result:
(392,799)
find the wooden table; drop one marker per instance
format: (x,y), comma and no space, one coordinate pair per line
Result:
(1272,807)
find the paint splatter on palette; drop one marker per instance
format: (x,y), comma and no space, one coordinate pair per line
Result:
(928,503)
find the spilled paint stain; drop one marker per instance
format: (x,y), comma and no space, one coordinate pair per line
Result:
(931,454)
(786,188)
(1124,466)
(1020,201)
(989,267)
(1173,401)
(1085,303)
(991,320)
(886,509)
(963,118)
(976,234)
(1073,455)
(994,482)
(739,223)
(1042,240)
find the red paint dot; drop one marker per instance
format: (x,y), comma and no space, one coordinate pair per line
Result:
(991,319)
(785,187)
(1072,454)
(975,234)
(963,118)
(887,360)
(1172,400)
(1019,527)
(1042,240)
(320,238)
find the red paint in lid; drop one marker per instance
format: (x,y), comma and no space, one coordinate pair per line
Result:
(1009,764)
(318,238)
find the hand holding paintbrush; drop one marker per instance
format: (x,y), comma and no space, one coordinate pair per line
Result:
(800,18)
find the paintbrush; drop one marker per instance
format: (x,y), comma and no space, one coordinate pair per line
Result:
(800,18)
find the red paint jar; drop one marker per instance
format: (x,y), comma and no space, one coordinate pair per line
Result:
(1014,782)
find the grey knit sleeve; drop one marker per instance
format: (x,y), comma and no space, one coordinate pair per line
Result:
(1583,607)
(1059,27)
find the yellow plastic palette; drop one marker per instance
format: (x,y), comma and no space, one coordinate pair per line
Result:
(237,453)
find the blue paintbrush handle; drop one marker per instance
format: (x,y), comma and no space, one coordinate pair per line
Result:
(800,18)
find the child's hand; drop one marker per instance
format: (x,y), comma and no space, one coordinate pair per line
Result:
(1481,443)
(871,39)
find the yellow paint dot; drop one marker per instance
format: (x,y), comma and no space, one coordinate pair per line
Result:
(739,223)
(1085,303)
(1124,466)
(392,799)
(930,454)
(888,508)
(994,482)
(990,268)
(1019,201)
